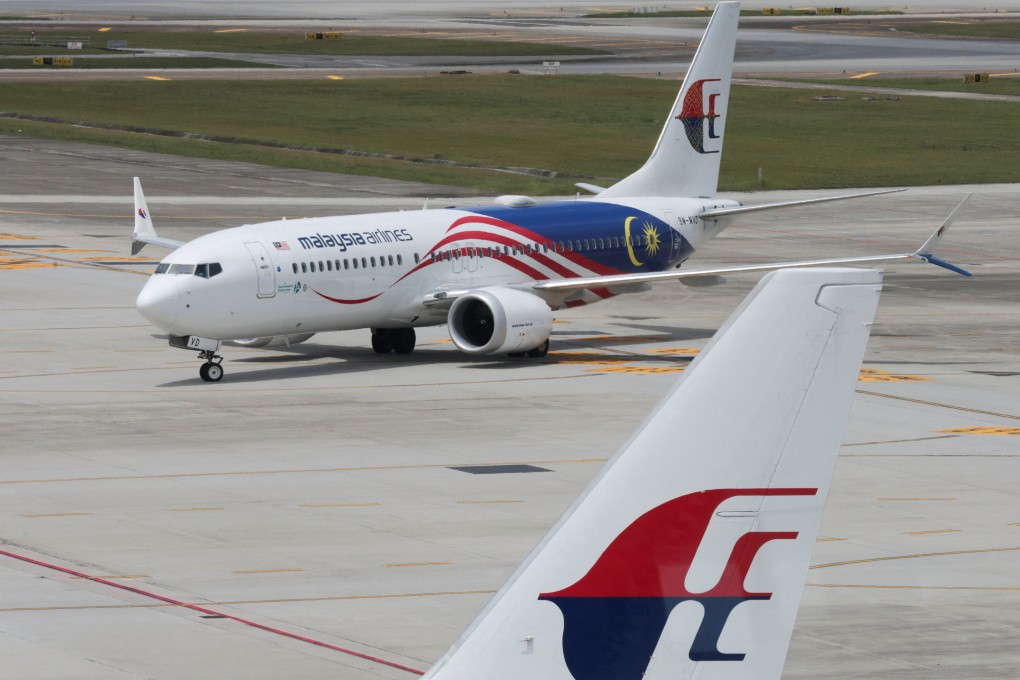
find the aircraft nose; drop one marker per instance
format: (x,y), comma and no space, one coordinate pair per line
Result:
(159,301)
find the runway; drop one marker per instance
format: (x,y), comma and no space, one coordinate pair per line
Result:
(330,496)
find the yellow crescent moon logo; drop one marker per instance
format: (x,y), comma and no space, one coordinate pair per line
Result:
(626,239)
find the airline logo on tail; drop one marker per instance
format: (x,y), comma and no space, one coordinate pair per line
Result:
(614,616)
(697,121)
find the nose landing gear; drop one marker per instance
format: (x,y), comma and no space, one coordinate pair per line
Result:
(211,370)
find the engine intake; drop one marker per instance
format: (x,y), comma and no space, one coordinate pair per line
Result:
(498,320)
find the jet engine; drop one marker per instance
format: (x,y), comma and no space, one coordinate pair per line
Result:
(497,320)
(274,340)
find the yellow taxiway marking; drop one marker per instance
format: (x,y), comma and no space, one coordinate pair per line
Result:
(283,600)
(572,358)
(825,540)
(931,531)
(877,587)
(104,29)
(674,350)
(917,499)
(487,502)
(156,78)
(19,237)
(637,369)
(1008,431)
(415,564)
(864,75)
(910,557)
(295,471)
(268,571)
(68,250)
(58,514)
(335,77)
(32,264)
(192,509)
(619,339)
(875,375)
(337,505)
(231,30)
(935,403)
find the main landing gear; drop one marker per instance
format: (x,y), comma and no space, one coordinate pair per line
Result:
(534,353)
(399,340)
(211,370)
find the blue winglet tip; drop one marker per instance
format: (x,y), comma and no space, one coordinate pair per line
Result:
(945,265)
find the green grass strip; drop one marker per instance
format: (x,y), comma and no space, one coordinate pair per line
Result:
(596,126)
(140,62)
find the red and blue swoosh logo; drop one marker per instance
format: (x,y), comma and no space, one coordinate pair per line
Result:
(614,615)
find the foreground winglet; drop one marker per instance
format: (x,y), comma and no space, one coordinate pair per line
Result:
(927,251)
(144,232)
(686,556)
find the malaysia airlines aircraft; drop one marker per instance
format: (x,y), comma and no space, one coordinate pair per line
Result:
(686,557)
(495,274)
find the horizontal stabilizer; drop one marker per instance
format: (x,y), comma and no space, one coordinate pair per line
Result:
(730,212)
(686,556)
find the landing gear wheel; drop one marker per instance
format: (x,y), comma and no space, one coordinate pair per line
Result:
(540,351)
(211,372)
(381,342)
(402,340)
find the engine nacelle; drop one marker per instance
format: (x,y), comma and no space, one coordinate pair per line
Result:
(497,320)
(274,340)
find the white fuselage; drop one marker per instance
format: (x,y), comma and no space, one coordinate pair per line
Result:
(360,271)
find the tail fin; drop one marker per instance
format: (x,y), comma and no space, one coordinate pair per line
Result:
(708,504)
(685,161)
(144,232)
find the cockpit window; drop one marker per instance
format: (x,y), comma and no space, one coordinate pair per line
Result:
(209,270)
(181,269)
(161,269)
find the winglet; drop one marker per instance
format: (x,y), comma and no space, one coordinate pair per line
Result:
(144,232)
(706,511)
(927,251)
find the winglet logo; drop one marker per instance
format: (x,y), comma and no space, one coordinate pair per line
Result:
(614,616)
(695,118)
(141,213)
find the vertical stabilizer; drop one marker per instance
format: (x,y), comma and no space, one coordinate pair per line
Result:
(685,161)
(686,557)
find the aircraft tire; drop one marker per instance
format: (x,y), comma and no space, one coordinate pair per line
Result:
(211,372)
(403,340)
(540,351)
(381,342)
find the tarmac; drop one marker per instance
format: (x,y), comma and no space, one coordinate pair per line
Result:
(324,500)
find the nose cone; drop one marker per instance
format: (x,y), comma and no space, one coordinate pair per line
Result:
(159,301)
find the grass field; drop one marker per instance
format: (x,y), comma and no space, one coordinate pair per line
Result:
(599,127)
(142,62)
(1009,84)
(293,42)
(1000,29)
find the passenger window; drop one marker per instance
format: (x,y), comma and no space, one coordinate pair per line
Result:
(577,246)
(337,265)
(364,263)
(329,265)
(586,244)
(373,261)
(321,268)
(400,260)
(346,263)
(304,268)
(355,263)
(602,244)
(294,266)
(389,259)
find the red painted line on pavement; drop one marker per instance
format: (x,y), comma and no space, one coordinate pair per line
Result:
(210,612)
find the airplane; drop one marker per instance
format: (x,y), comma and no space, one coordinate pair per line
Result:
(686,556)
(495,274)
